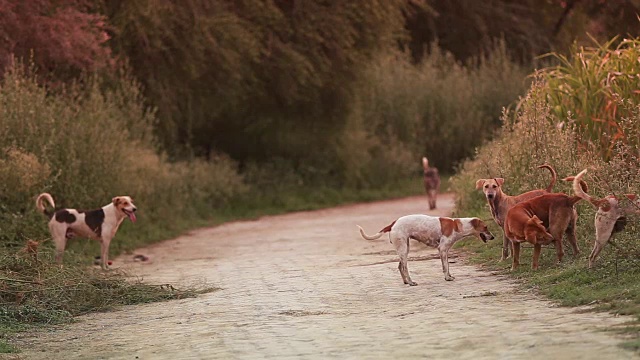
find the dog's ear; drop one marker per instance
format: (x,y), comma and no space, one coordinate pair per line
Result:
(116,200)
(631,197)
(500,181)
(536,220)
(480,184)
(603,204)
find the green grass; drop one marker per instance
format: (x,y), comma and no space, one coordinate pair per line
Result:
(611,286)
(38,292)
(55,295)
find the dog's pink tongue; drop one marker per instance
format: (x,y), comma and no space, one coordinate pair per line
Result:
(132,216)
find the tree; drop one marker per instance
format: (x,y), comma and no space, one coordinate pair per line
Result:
(61,37)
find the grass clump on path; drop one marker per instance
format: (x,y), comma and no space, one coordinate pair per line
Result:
(35,292)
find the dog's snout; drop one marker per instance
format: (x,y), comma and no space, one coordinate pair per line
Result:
(490,196)
(135,209)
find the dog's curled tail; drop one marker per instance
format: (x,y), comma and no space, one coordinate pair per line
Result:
(369,237)
(378,235)
(580,187)
(40,203)
(554,176)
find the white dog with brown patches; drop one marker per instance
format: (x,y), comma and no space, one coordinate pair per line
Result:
(100,224)
(438,232)
(610,217)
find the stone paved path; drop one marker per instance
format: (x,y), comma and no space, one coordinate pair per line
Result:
(306,286)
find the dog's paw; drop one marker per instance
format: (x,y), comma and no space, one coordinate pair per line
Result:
(412,283)
(449,278)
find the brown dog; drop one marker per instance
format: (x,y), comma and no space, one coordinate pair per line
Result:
(500,203)
(528,221)
(610,217)
(431,182)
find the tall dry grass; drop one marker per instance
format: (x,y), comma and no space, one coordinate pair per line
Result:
(597,86)
(556,123)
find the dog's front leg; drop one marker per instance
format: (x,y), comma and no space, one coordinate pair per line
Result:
(506,244)
(104,253)
(444,257)
(537,248)
(516,255)
(402,247)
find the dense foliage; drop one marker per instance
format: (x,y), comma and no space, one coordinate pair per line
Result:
(581,114)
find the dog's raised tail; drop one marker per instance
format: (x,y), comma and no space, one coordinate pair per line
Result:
(40,204)
(554,176)
(579,188)
(378,235)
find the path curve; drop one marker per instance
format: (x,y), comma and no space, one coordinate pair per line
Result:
(306,286)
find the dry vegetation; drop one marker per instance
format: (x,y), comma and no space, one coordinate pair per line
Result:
(559,123)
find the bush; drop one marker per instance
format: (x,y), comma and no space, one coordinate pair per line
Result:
(534,135)
(597,87)
(439,108)
(88,143)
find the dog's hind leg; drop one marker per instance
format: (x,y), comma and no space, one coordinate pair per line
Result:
(402,247)
(506,245)
(433,195)
(571,233)
(59,235)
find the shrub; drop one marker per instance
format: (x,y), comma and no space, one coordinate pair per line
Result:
(591,85)
(87,143)
(439,108)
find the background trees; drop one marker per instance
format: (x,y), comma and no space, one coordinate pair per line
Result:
(266,79)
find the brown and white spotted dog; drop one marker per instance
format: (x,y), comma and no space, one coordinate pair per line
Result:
(99,224)
(610,217)
(431,182)
(438,232)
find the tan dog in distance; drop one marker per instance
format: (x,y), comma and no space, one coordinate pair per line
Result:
(431,182)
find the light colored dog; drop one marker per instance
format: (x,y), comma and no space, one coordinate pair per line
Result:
(500,203)
(528,221)
(100,224)
(610,217)
(438,232)
(431,182)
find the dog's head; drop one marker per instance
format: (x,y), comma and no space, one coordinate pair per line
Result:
(480,230)
(535,232)
(124,204)
(490,187)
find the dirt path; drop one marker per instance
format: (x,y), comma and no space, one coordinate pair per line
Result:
(305,285)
